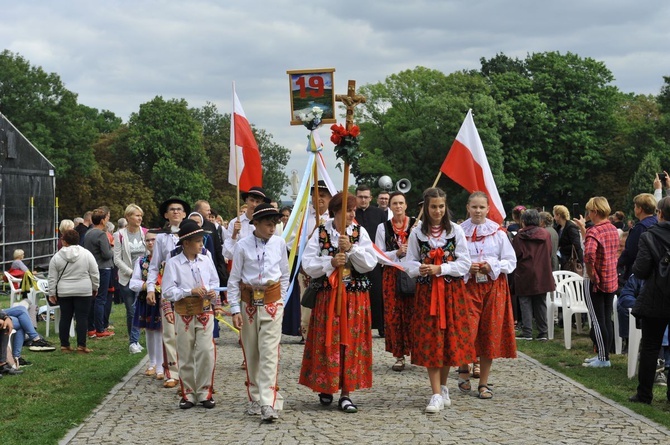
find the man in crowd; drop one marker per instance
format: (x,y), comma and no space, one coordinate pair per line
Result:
(383,202)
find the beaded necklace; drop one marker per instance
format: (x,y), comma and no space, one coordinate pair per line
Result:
(400,231)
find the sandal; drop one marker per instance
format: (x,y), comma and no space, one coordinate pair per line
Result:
(325,399)
(475,371)
(464,383)
(399,364)
(346,405)
(485,392)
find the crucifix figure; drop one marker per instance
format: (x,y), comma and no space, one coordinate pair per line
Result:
(350,100)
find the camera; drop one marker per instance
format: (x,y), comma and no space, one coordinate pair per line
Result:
(662,176)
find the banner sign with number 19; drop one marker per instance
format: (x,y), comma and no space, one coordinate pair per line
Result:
(309,89)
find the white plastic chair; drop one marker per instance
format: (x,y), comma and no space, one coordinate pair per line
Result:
(555,300)
(15,294)
(634,338)
(43,286)
(574,302)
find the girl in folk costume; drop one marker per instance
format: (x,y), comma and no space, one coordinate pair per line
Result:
(438,255)
(338,349)
(148,316)
(490,303)
(391,238)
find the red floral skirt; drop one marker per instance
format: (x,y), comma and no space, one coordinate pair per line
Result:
(398,312)
(433,347)
(492,318)
(328,366)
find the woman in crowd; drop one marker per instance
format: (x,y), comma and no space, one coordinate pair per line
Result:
(651,306)
(73,282)
(128,248)
(491,315)
(392,239)
(568,236)
(441,335)
(338,348)
(601,242)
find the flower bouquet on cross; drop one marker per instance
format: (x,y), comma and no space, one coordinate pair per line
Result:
(312,119)
(347,144)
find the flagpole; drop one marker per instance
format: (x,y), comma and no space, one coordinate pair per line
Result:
(232,142)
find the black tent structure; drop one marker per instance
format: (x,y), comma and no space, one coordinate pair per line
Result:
(28,212)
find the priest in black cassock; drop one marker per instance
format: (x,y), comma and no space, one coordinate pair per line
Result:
(370,217)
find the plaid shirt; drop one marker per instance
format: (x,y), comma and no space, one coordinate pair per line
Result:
(600,251)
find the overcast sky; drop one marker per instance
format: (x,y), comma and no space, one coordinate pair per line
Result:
(117,55)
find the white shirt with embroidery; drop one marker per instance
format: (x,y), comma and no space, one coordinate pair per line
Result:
(457,268)
(490,245)
(229,242)
(181,276)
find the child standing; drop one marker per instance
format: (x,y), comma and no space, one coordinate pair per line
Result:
(188,281)
(256,288)
(438,255)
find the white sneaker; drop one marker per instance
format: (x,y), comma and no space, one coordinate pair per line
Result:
(435,405)
(590,359)
(135,348)
(254,408)
(445,396)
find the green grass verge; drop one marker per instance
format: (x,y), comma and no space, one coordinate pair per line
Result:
(60,390)
(612,383)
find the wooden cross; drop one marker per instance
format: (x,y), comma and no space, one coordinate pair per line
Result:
(350,100)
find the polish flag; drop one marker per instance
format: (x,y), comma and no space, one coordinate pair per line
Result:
(245,159)
(466,164)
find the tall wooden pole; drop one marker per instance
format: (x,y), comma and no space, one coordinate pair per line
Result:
(350,100)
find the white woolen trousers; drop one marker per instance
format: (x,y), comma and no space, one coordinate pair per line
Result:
(169,348)
(196,355)
(261,334)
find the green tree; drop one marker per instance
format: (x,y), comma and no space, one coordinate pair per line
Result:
(410,121)
(165,147)
(643,179)
(274,158)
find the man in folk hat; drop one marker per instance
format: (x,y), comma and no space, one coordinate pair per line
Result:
(256,291)
(240,227)
(174,210)
(189,281)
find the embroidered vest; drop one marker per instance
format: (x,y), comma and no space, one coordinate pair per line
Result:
(390,240)
(359,281)
(449,255)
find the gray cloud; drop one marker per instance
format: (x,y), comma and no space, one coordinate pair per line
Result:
(118,55)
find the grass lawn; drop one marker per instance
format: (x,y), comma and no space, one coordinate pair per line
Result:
(612,383)
(60,390)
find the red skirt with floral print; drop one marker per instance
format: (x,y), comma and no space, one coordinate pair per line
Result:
(433,347)
(398,311)
(328,367)
(492,318)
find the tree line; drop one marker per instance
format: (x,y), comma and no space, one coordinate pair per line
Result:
(554,127)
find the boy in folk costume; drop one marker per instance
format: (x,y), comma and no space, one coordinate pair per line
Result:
(256,289)
(188,281)
(174,210)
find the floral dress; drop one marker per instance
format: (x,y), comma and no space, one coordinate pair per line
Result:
(442,335)
(338,348)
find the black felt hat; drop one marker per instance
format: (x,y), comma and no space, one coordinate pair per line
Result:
(189,229)
(164,206)
(265,211)
(256,191)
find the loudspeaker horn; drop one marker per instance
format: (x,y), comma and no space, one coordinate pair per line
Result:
(385,183)
(403,185)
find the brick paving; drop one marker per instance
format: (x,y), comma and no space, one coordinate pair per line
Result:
(532,405)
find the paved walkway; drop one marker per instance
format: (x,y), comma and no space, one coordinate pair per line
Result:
(532,405)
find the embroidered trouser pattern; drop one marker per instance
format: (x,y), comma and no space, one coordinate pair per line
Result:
(196,355)
(261,334)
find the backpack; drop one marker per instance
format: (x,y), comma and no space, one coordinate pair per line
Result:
(661,277)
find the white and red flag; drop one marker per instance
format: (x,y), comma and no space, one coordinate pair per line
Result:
(466,164)
(245,169)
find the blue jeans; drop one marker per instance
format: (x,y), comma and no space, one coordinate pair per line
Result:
(100,301)
(622,305)
(129,299)
(22,325)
